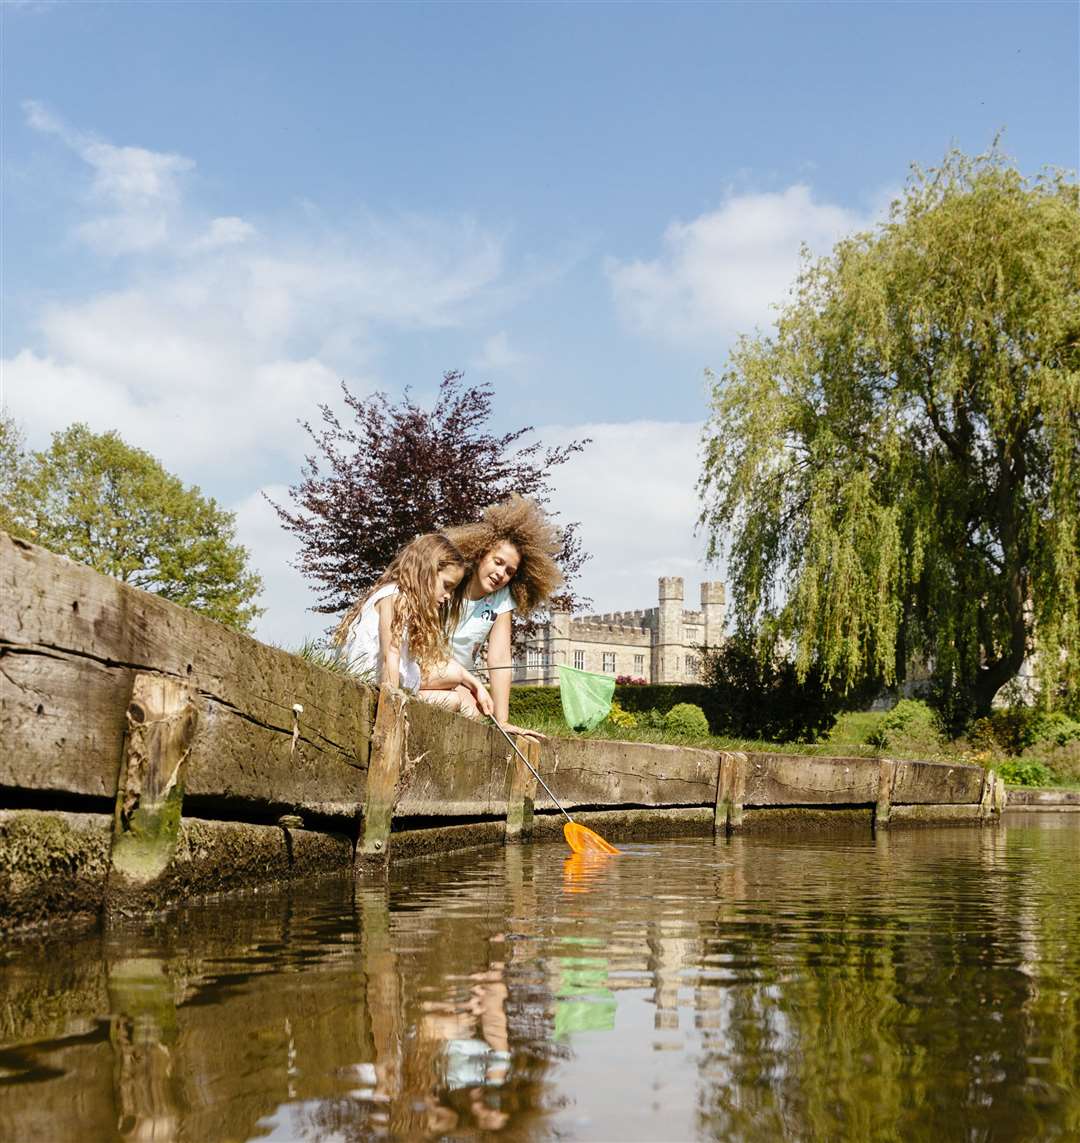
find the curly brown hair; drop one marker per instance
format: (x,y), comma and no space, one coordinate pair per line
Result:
(524,524)
(413,569)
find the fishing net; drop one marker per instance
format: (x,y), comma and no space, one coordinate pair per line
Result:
(586,698)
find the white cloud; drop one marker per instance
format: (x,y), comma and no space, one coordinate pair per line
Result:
(224,334)
(632,489)
(228,231)
(724,272)
(286,595)
(497,355)
(138,189)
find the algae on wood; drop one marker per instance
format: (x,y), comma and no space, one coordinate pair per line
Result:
(161,719)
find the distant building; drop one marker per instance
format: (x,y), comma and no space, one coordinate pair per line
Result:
(659,644)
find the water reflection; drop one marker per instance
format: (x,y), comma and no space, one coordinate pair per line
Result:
(918,984)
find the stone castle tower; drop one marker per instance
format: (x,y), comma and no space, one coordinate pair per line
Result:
(660,644)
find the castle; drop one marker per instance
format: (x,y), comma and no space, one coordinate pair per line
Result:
(658,644)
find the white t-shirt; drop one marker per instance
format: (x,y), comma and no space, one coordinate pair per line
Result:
(477,618)
(361,648)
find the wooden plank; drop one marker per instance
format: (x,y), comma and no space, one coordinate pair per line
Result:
(806,780)
(161,720)
(71,641)
(62,724)
(50,604)
(600,772)
(459,768)
(936,783)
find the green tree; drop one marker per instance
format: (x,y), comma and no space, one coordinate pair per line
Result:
(99,501)
(14,466)
(899,466)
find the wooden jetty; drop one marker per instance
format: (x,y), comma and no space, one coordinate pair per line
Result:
(148,754)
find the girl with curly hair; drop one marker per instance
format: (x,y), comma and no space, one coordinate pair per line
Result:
(511,550)
(399,629)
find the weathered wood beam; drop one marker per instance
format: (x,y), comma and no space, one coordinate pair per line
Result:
(521,790)
(388,746)
(161,720)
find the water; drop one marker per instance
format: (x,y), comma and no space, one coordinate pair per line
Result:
(923,985)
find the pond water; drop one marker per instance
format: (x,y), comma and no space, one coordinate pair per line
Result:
(922,984)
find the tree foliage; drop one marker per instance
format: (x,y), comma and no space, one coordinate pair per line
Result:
(899,466)
(399,471)
(97,500)
(14,469)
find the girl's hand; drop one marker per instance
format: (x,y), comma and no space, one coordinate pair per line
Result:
(510,728)
(483,699)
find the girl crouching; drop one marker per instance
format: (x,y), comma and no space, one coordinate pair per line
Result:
(398,631)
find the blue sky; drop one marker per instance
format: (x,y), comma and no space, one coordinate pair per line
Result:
(213,212)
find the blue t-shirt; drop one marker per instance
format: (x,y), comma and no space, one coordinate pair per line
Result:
(477,618)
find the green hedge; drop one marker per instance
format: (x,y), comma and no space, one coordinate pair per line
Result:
(544,702)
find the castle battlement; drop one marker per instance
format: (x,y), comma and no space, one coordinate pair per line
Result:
(660,644)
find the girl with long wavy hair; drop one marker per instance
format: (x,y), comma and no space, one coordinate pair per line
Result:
(511,550)
(398,631)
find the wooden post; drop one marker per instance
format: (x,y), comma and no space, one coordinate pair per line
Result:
(161,721)
(739,766)
(730,791)
(724,777)
(521,791)
(1000,798)
(986,800)
(886,777)
(388,740)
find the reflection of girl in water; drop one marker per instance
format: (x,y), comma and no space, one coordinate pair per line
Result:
(473,1064)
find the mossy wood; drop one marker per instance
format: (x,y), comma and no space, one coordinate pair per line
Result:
(161,721)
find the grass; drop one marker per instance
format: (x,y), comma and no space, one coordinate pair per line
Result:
(848,739)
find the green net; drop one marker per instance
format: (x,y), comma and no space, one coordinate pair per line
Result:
(586,698)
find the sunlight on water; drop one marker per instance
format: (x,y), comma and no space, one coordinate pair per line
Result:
(918,985)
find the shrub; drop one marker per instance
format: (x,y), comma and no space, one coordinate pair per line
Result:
(1009,731)
(911,724)
(687,721)
(1019,773)
(651,719)
(630,681)
(751,695)
(623,719)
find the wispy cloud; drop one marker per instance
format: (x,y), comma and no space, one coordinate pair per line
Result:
(227,333)
(726,271)
(134,192)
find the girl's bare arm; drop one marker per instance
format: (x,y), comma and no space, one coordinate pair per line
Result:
(388,645)
(500,659)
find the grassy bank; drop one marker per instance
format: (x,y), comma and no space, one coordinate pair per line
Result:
(907,731)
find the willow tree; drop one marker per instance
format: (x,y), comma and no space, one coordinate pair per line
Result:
(895,473)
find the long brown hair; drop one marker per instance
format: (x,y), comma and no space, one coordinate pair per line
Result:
(524,524)
(413,570)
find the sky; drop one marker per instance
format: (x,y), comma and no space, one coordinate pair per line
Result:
(215,213)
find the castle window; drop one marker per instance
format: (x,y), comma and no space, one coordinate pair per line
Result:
(692,666)
(639,664)
(536,658)
(579,660)
(609,662)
